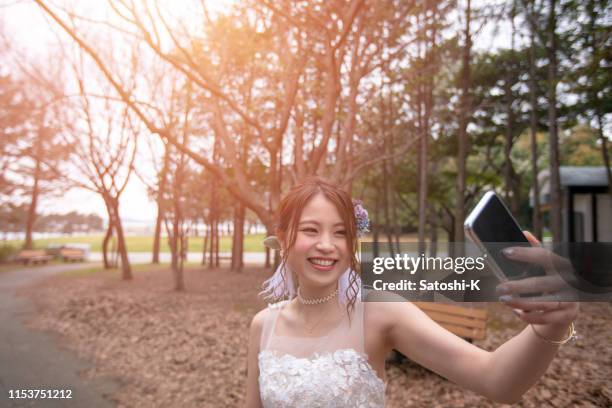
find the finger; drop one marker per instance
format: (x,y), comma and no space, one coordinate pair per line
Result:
(554,316)
(561,296)
(558,261)
(535,255)
(565,297)
(531,306)
(531,285)
(532,239)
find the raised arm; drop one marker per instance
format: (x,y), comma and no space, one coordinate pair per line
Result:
(503,375)
(252,390)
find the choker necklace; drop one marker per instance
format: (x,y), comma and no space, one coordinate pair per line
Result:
(316,301)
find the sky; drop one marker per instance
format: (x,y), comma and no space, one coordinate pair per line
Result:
(30,33)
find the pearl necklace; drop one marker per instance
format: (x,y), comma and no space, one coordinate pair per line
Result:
(316,301)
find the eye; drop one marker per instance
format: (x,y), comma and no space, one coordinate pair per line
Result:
(341,232)
(309,229)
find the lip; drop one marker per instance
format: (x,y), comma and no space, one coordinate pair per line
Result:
(321,267)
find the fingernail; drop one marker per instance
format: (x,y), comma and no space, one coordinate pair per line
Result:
(502,289)
(508,251)
(505,298)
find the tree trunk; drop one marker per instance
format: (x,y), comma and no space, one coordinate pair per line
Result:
(397,230)
(555,177)
(433,230)
(217,239)
(422,200)
(598,113)
(386,210)
(433,219)
(126,269)
(177,250)
(533,126)
(464,113)
(29,243)
(160,202)
(268,261)
(385,170)
(157,234)
(604,151)
(508,144)
(376,224)
(206,237)
(211,248)
(238,238)
(107,237)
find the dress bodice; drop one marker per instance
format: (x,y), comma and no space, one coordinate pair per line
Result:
(325,371)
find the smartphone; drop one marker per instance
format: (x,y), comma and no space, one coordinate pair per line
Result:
(492,228)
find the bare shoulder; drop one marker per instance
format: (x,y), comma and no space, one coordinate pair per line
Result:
(384,309)
(258,320)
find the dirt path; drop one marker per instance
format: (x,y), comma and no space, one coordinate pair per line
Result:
(32,359)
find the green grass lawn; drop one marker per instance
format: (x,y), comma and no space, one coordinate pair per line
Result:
(144,243)
(89,270)
(252,243)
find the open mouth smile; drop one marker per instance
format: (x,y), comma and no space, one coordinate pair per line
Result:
(322,264)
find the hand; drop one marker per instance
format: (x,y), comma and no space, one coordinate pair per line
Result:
(539,310)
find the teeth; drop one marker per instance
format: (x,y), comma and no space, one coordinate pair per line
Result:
(322,262)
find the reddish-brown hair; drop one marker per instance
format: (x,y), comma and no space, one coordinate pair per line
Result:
(290,211)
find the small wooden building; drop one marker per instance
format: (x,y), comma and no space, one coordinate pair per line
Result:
(586,203)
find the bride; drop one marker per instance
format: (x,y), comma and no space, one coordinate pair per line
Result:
(324,347)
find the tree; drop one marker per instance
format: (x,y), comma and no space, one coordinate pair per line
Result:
(533,126)
(464,115)
(104,137)
(591,80)
(299,43)
(32,150)
(14,113)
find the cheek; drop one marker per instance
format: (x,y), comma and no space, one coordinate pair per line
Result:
(343,247)
(302,245)
(299,251)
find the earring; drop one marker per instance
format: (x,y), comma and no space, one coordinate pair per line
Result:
(280,285)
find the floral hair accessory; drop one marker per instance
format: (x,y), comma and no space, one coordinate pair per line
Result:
(362,219)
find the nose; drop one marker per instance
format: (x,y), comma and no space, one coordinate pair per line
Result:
(325,243)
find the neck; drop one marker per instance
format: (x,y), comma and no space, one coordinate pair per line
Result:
(317,293)
(314,293)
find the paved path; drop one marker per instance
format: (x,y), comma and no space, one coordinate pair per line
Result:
(145,257)
(34,360)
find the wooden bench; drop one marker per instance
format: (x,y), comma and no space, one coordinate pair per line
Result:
(469,323)
(35,256)
(72,254)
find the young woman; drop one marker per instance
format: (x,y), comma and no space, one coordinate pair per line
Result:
(324,347)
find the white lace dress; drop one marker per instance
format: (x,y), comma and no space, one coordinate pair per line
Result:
(328,371)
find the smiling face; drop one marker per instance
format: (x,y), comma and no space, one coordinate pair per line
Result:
(320,253)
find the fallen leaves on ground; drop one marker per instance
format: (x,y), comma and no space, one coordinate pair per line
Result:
(189,349)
